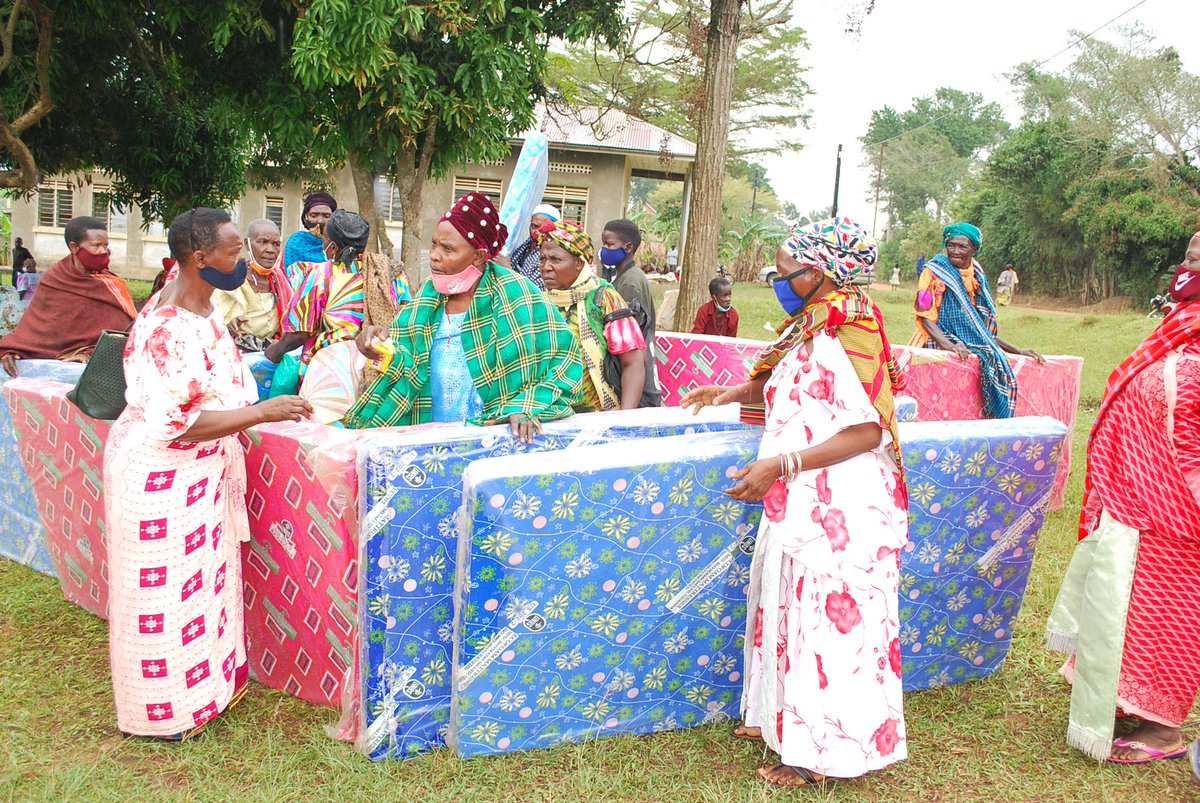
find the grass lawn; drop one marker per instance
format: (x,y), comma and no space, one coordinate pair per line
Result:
(998,739)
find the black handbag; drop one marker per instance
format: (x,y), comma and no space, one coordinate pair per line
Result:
(100,390)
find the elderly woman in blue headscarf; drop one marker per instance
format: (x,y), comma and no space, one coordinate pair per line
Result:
(955,312)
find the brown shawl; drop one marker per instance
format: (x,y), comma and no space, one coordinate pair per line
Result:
(68,312)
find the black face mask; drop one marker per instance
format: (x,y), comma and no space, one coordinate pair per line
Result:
(226,281)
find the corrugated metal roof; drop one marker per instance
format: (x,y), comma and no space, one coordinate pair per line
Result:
(610,130)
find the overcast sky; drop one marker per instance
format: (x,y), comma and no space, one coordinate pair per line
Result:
(911,47)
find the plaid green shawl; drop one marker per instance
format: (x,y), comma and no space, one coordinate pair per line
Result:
(520,352)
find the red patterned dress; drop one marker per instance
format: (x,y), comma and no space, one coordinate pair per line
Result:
(1144,471)
(176,514)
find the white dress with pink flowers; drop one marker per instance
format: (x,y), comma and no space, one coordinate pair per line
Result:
(176,514)
(822,644)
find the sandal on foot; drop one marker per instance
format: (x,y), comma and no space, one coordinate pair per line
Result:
(746,732)
(799,776)
(1152,755)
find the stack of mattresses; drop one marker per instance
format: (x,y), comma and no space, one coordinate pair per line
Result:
(300,566)
(412,492)
(944,387)
(603,592)
(597,576)
(22,536)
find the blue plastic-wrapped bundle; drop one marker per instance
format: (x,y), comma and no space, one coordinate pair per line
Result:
(411,493)
(22,536)
(525,188)
(601,591)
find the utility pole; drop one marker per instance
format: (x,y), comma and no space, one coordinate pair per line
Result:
(878,183)
(837,180)
(754,195)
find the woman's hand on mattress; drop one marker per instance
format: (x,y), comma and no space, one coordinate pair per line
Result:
(708,396)
(756,479)
(524,428)
(368,338)
(9,362)
(285,408)
(960,351)
(1033,355)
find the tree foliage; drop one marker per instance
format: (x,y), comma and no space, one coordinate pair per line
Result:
(146,90)
(1094,194)
(413,89)
(928,149)
(655,71)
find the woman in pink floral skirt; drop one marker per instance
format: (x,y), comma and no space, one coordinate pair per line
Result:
(175,495)
(823,680)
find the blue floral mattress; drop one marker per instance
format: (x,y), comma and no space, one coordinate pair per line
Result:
(411,493)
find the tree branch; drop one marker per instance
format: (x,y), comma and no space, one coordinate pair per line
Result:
(6,36)
(25,175)
(45,102)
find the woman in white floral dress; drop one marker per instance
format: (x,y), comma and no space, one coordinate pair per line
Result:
(823,680)
(174,480)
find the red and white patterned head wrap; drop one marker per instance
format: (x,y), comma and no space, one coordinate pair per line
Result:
(476,219)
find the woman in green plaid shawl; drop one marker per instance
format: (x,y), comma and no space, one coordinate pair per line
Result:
(478,344)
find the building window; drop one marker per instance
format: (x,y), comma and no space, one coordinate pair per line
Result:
(571,201)
(571,167)
(104,208)
(273,211)
(155,228)
(491,187)
(55,204)
(101,203)
(387,200)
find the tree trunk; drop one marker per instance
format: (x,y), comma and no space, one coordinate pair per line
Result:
(708,176)
(412,169)
(364,188)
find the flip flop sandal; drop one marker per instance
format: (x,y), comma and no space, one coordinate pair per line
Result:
(800,777)
(1152,754)
(1194,755)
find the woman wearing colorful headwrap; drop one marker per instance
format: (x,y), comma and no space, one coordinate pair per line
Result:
(955,312)
(526,258)
(330,304)
(822,685)
(478,344)
(1129,609)
(599,318)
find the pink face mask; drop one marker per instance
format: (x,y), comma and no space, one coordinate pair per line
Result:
(458,283)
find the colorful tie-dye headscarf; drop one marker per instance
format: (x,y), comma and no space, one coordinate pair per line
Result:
(570,236)
(839,247)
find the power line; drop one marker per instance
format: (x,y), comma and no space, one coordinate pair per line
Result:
(1027,73)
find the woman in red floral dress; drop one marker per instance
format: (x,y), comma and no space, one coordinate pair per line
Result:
(823,685)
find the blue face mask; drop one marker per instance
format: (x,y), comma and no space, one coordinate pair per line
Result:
(226,281)
(722,309)
(612,257)
(788,299)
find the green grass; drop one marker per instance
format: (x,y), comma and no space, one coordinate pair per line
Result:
(1001,739)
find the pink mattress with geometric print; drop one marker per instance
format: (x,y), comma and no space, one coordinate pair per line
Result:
(299,569)
(946,388)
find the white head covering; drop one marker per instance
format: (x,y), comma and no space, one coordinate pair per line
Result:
(547,210)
